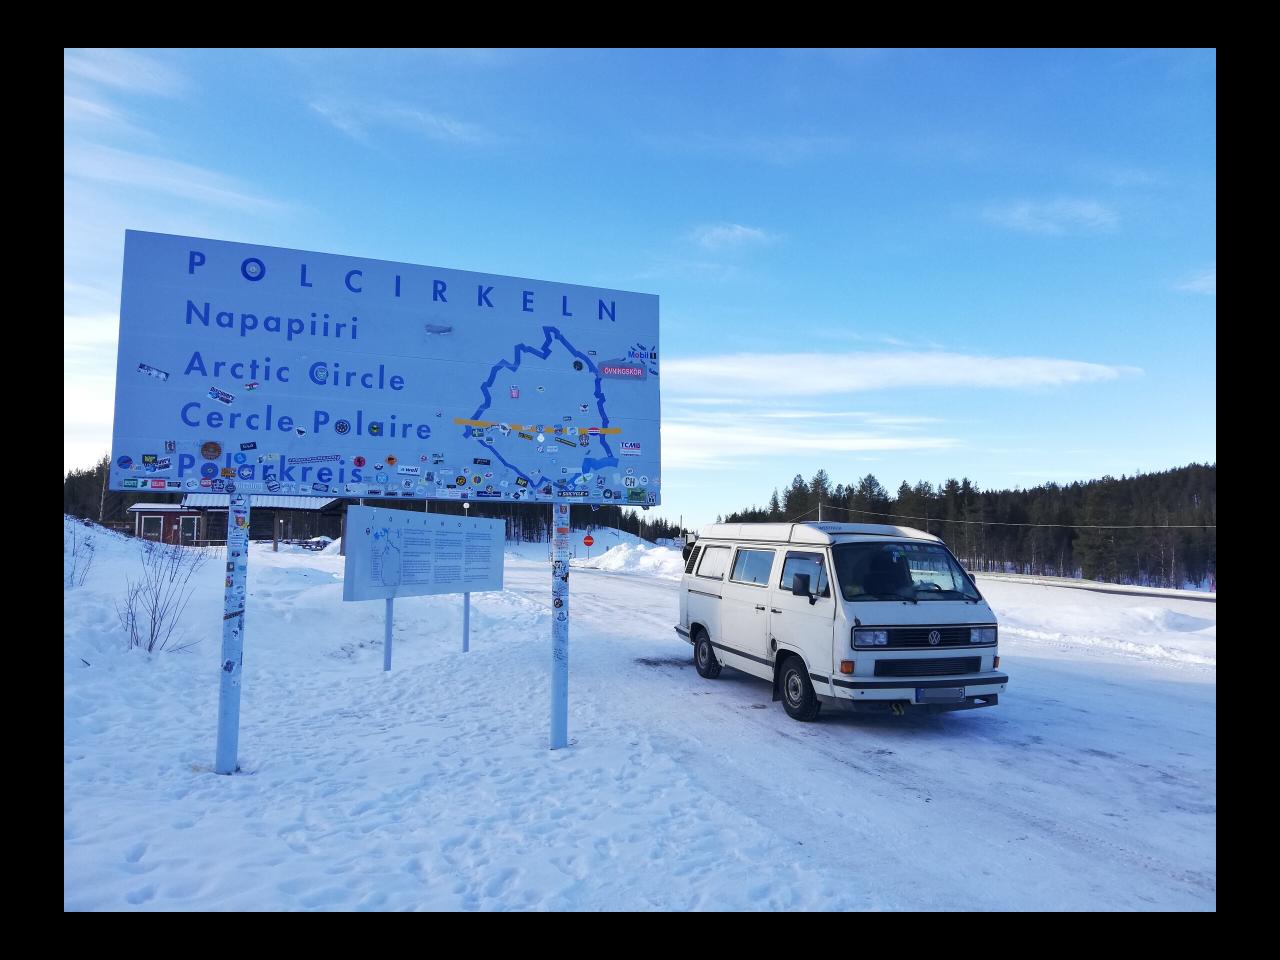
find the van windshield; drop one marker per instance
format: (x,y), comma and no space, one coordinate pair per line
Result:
(900,571)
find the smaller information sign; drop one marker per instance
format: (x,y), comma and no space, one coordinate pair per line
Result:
(398,553)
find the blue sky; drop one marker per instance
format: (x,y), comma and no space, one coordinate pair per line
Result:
(917,264)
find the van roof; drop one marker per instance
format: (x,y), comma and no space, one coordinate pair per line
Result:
(824,532)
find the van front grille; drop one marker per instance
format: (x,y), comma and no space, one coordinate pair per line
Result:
(928,668)
(916,637)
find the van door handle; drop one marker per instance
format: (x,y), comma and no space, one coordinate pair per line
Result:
(759,606)
(775,609)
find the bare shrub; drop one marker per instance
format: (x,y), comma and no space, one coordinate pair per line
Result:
(153,605)
(77,552)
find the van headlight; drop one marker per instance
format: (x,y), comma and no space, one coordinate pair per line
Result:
(870,638)
(982,635)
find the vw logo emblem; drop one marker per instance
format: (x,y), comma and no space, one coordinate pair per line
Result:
(934,637)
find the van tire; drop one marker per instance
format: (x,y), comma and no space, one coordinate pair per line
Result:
(798,698)
(704,656)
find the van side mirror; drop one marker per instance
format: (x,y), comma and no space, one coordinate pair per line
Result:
(800,587)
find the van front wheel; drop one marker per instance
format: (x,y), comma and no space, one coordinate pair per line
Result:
(798,698)
(704,658)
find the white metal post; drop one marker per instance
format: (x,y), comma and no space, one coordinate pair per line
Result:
(559,626)
(386,643)
(466,622)
(233,633)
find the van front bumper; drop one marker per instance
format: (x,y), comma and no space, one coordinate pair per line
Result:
(963,692)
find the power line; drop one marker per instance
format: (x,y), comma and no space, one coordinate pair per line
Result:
(1001,523)
(805,514)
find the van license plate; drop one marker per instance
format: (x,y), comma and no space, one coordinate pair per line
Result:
(939,694)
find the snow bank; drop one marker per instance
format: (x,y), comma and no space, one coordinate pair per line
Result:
(637,558)
(1183,631)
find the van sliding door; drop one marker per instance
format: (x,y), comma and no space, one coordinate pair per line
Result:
(745,610)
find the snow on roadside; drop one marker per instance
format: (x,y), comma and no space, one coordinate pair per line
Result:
(638,558)
(1178,631)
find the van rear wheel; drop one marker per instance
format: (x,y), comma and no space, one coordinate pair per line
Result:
(704,657)
(798,698)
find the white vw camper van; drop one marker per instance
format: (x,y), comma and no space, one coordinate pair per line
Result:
(857,616)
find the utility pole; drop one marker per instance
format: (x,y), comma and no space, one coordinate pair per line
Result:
(819,511)
(102,501)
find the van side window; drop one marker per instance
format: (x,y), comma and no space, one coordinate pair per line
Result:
(693,559)
(810,563)
(752,566)
(714,560)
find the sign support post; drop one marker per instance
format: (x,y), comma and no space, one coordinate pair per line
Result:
(386,643)
(559,626)
(466,622)
(233,632)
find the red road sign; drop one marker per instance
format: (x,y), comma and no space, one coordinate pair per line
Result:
(588,540)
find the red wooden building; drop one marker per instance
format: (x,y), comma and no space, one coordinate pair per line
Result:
(167,522)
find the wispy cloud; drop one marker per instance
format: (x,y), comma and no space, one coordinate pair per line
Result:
(879,419)
(86,114)
(91,78)
(90,334)
(817,374)
(705,433)
(783,149)
(667,266)
(1204,281)
(707,441)
(1054,216)
(358,119)
(729,236)
(125,70)
(1126,177)
(779,149)
(89,161)
(84,109)
(833,333)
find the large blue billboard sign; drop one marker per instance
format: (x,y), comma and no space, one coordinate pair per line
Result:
(268,370)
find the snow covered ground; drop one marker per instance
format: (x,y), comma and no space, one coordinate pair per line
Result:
(1091,786)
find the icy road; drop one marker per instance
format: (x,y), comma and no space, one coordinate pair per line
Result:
(1091,786)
